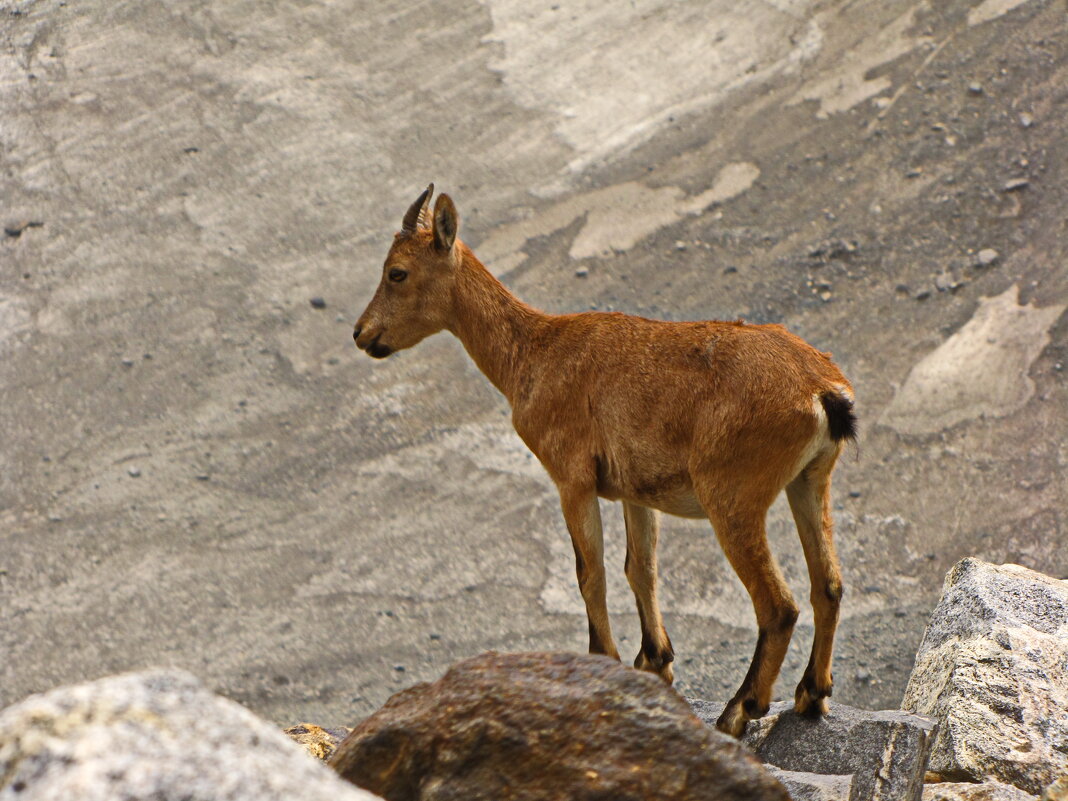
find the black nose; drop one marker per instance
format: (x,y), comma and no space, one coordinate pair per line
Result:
(356,333)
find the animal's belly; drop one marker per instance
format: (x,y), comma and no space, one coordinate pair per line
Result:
(682,503)
(662,486)
(678,500)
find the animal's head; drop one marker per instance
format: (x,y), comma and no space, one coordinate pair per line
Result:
(414,297)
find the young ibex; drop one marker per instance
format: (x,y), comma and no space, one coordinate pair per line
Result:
(702,419)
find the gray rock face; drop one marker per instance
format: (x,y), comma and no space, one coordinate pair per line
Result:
(157,735)
(813,786)
(547,727)
(993,669)
(972,791)
(886,752)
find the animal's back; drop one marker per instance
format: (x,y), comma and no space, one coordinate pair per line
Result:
(622,356)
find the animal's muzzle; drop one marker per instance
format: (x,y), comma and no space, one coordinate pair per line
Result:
(373,347)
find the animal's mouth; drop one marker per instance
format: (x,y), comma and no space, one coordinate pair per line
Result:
(377,350)
(374,348)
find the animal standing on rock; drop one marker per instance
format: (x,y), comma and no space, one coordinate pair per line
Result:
(697,419)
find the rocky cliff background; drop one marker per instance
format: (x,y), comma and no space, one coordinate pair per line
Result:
(199,470)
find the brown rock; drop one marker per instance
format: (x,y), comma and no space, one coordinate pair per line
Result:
(317,741)
(1058,791)
(547,726)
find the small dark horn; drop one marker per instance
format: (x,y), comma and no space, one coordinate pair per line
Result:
(417,212)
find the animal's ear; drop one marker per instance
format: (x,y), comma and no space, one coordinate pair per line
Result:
(416,216)
(446,221)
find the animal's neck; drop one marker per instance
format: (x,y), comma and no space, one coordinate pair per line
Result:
(495,326)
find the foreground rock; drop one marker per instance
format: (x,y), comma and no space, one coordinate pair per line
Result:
(885,752)
(157,735)
(993,668)
(970,791)
(1058,791)
(545,727)
(813,786)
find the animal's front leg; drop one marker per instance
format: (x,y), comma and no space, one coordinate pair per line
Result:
(583,518)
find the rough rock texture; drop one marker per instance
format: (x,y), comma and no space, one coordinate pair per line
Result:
(319,742)
(813,786)
(885,751)
(993,668)
(156,735)
(972,791)
(547,726)
(1058,791)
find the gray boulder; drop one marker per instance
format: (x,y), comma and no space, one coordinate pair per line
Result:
(886,752)
(813,786)
(157,735)
(972,791)
(993,669)
(547,727)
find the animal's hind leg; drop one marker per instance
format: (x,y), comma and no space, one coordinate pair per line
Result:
(583,518)
(643,528)
(810,501)
(744,541)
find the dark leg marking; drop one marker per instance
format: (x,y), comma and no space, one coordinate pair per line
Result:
(596,645)
(580,563)
(754,667)
(744,697)
(657,657)
(754,710)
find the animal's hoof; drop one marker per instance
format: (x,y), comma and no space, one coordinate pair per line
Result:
(811,707)
(810,702)
(667,673)
(733,720)
(661,665)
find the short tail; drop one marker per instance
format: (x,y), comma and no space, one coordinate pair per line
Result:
(841,419)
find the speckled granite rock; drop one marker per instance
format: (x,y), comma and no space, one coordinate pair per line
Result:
(993,668)
(972,791)
(157,735)
(886,752)
(813,786)
(317,741)
(548,727)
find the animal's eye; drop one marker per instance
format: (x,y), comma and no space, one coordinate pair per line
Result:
(397,274)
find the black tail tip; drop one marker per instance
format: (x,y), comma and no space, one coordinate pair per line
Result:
(841,419)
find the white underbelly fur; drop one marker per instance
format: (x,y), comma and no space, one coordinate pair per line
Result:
(684,503)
